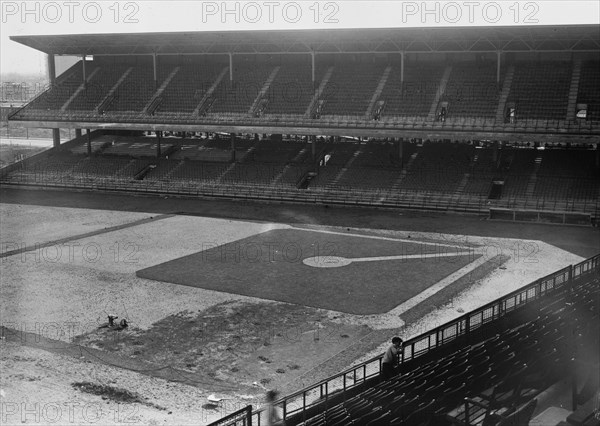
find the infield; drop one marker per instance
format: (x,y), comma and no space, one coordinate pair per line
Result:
(376,274)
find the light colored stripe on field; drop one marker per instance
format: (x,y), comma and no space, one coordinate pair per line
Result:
(440,285)
(377,237)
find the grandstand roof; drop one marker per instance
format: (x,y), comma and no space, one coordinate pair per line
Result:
(381,40)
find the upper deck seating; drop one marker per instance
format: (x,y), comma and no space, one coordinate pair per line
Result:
(472,90)
(589,88)
(98,87)
(350,88)
(541,90)
(292,89)
(186,90)
(60,92)
(414,97)
(238,96)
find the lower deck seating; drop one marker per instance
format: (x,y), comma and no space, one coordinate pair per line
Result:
(493,381)
(439,173)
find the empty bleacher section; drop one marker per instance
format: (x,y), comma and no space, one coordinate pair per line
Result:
(414,97)
(350,88)
(496,365)
(589,89)
(136,146)
(97,88)
(210,150)
(540,90)
(279,87)
(517,165)
(58,93)
(237,96)
(472,90)
(439,167)
(265,161)
(292,89)
(135,91)
(186,90)
(481,172)
(566,174)
(67,168)
(97,145)
(187,171)
(270,151)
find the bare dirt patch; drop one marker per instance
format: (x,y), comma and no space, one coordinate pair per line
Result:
(256,344)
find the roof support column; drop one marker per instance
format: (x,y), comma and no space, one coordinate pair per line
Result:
(52,80)
(230,66)
(233,147)
(84,71)
(155,73)
(158,138)
(498,56)
(401,152)
(402,67)
(312,57)
(89,142)
(51,68)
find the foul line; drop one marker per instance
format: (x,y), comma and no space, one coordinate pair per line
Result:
(440,285)
(376,237)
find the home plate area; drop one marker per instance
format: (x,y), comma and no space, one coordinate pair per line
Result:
(352,273)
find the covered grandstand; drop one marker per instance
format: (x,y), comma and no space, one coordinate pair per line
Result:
(464,119)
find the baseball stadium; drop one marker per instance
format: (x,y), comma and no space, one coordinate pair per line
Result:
(239,212)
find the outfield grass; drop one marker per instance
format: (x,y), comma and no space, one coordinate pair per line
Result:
(269,266)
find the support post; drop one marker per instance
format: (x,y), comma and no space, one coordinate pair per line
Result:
(498,61)
(84,71)
(233,147)
(495,152)
(402,67)
(77,133)
(55,138)
(231,67)
(312,57)
(155,72)
(52,80)
(314,149)
(158,137)
(401,152)
(89,141)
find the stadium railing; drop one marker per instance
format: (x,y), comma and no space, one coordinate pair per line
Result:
(348,122)
(243,417)
(384,197)
(340,385)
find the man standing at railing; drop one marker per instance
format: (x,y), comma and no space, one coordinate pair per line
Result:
(272,416)
(390,359)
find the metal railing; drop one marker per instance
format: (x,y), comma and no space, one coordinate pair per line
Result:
(384,197)
(242,417)
(334,122)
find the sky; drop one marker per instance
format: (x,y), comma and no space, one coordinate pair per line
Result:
(112,16)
